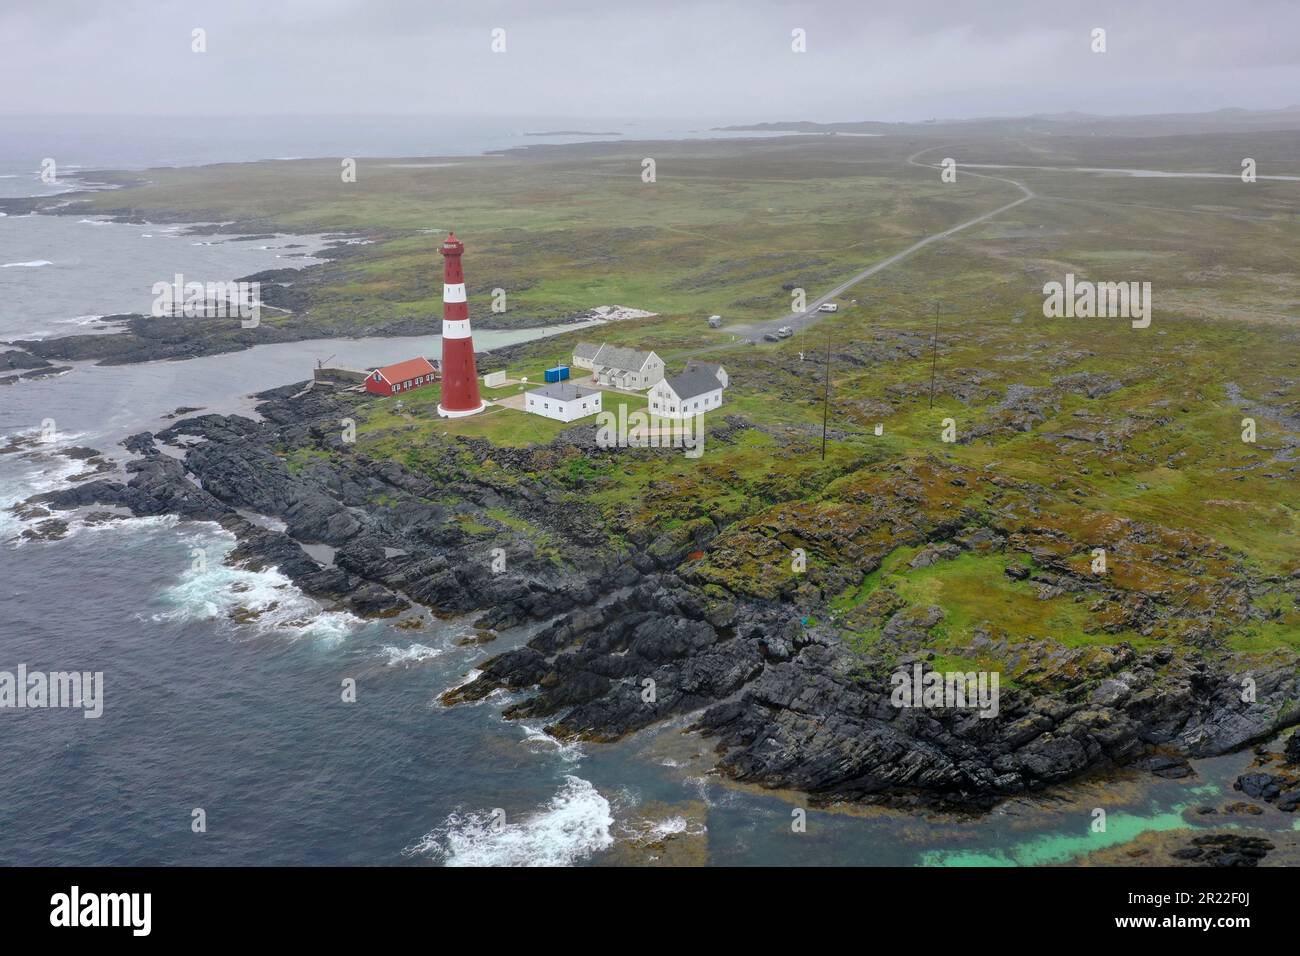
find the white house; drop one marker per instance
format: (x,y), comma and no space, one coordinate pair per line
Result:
(583,353)
(694,391)
(713,367)
(563,401)
(619,367)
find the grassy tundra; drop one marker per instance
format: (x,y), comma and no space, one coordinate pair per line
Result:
(1071,434)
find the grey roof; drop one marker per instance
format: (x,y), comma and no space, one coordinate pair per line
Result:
(694,381)
(696,363)
(623,359)
(564,391)
(585,350)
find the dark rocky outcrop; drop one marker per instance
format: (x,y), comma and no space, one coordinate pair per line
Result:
(634,634)
(1226,849)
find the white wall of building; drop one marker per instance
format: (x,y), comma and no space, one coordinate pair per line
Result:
(665,403)
(562,411)
(632,380)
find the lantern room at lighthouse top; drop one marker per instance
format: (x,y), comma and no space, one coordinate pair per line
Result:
(452,248)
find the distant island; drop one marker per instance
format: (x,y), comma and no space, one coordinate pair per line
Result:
(806,126)
(571,132)
(1072,122)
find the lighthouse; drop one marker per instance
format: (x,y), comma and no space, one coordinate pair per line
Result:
(460,395)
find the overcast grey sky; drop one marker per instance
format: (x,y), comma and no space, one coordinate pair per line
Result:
(668,58)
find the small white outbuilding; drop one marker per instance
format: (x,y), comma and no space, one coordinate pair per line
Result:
(563,401)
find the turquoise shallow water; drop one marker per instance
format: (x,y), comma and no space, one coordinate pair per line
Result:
(1056,848)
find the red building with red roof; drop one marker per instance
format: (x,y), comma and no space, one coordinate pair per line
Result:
(402,377)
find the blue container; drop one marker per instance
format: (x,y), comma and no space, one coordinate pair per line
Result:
(557,374)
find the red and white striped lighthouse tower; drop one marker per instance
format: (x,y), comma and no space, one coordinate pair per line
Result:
(459,377)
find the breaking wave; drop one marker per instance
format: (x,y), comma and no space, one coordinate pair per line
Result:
(569,751)
(574,825)
(265,601)
(415,654)
(47,475)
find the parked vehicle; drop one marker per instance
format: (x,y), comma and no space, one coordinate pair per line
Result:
(715,321)
(828,307)
(784,332)
(771,337)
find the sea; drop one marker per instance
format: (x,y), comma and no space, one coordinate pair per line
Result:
(225,737)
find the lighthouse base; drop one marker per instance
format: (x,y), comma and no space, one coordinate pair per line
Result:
(445,413)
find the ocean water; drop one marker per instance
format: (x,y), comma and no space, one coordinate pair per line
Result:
(60,274)
(80,144)
(223,687)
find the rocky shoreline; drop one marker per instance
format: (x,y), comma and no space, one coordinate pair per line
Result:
(630,637)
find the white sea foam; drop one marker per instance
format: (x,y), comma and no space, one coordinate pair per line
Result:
(45,478)
(673,826)
(467,679)
(709,793)
(79,320)
(569,751)
(33,264)
(264,601)
(55,446)
(415,654)
(124,525)
(574,825)
(49,472)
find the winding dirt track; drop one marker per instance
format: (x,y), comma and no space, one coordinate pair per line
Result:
(810,316)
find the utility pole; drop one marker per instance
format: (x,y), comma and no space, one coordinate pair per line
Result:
(934,353)
(826,396)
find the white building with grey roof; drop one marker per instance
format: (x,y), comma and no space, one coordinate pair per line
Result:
(563,401)
(619,367)
(695,391)
(714,367)
(583,354)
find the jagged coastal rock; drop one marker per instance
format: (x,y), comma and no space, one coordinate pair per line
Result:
(634,635)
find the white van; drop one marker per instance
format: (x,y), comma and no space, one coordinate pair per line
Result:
(828,307)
